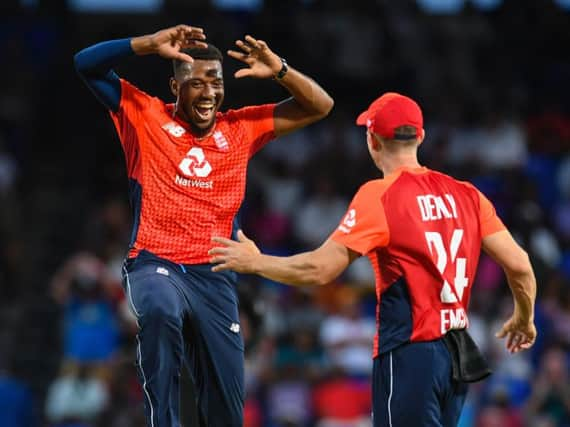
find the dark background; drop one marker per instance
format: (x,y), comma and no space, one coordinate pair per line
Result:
(493,83)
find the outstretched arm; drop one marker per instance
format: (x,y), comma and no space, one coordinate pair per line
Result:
(95,63)
(519,330)
(309,101)
(317,267)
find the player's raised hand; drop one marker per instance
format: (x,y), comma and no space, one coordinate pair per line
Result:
(262,62)
(168,42)
(518,333)
(240,255)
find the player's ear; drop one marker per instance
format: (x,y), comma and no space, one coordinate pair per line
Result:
(422,136)
(173,86)
(373,141)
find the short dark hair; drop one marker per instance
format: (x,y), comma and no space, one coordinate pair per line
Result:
(404,137)
(405,133)
(209,53)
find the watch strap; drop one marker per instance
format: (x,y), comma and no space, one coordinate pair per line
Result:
(283,70)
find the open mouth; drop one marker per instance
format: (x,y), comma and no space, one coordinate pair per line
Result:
(204,111)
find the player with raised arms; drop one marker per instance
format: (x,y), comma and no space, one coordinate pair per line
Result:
(186,163)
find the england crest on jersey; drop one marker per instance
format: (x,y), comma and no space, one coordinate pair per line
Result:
(221,141)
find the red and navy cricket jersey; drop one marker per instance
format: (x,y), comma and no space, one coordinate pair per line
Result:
(185,189)
(422,232)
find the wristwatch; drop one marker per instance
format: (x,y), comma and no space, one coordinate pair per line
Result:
(283,70)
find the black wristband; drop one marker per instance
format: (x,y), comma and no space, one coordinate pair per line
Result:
(283,70)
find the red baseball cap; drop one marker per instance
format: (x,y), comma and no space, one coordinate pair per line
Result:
(391,111)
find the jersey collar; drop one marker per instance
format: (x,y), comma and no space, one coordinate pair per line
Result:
(412,170)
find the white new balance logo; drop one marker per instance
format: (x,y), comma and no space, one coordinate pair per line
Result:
(163,271)
(195,164)
(174,129)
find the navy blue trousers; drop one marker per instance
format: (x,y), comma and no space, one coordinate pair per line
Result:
(187,315)
(413,387)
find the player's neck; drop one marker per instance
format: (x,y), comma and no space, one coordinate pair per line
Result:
(200,134)
(391,164)
(197,132)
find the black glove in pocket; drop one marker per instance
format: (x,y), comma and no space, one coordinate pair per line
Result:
(469,365)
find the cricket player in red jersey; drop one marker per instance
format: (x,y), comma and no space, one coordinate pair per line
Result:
(186,164)
(423,232)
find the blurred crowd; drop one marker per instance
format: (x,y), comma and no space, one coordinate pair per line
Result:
(494,86)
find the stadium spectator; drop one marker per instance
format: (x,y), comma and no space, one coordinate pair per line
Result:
(17,404)
(551,390)
(77,397)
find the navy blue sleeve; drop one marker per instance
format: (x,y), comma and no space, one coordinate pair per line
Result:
(94,65)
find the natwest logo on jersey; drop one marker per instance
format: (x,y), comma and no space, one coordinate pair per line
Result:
(194,165)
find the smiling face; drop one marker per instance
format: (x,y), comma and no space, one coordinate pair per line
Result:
(199,88)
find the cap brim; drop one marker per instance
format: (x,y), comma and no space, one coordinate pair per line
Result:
(363,118)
